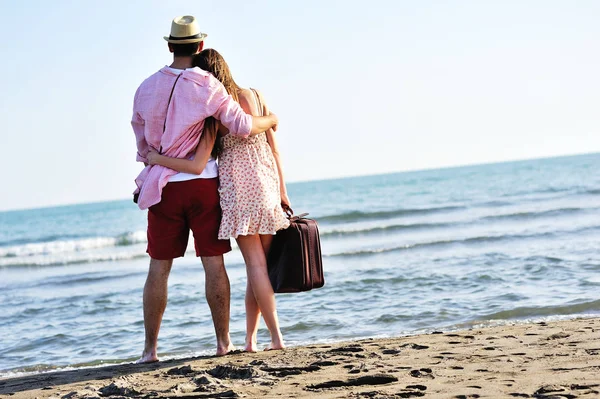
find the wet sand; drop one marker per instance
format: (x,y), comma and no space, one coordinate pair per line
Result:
(555,360)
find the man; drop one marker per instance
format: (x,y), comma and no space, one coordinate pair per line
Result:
(168,116)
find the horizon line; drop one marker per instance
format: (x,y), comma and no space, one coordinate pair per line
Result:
(332,178)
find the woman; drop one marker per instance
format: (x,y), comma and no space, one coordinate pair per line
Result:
(252,191)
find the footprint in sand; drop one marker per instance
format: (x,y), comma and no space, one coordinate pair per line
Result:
(410,393)
(344,349)
(422,373)
(324,363)
(184,370)
(377,379)
(559,335)
(120,388)
(414,346)
(230,371)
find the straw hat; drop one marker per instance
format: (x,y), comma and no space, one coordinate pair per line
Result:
(185,30)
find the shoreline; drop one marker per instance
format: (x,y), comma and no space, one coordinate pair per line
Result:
(558,359)
(209,353)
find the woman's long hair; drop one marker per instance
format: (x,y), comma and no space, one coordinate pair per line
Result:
(211,61)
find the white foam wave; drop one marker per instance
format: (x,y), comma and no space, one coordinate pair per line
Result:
(124,246)
(71,246)
(103,255)
(101,249)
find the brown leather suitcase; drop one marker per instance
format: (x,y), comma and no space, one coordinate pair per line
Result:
(294,261)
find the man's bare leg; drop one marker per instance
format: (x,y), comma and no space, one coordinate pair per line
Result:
(155,302)
(218,298)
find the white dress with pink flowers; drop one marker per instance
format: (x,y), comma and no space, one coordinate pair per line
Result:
(249,188)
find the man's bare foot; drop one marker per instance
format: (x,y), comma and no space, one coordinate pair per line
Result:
(222,350)
(150,357)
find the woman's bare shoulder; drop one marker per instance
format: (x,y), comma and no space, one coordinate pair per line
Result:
(247,101)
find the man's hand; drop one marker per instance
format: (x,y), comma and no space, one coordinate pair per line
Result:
(263,123)
(267,111)
(274,127)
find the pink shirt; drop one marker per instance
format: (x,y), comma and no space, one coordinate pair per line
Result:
(197,96)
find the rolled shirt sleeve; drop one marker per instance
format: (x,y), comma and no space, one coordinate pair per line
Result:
(228,111)
(137,123)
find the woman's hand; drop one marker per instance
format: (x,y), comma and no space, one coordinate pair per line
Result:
(285,201)
(153,157)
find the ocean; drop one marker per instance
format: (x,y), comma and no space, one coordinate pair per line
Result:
(403,253)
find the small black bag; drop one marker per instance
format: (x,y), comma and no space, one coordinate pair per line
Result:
(294,261)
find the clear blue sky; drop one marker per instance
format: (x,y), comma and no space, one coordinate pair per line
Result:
(360,87)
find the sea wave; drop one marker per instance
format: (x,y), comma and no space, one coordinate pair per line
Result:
(540,214)
(462,241)
(339,232)
(355,216)
(366,230)
(541,190)
(70,259)
(494,203)
(440,243)
(71,246)
(525,312)
(39,240)
(121,248)
(89,278)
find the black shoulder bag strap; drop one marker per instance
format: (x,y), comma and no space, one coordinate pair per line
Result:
(167,114)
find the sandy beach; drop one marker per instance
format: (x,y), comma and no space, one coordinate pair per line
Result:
(541,360)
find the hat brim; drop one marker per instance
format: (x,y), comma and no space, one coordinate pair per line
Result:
(186,41)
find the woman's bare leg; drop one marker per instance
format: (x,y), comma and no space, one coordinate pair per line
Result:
(266,241)
(258,280)
(252,309)
(252,319)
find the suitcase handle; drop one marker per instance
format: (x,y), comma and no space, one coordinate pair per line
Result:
(290,213)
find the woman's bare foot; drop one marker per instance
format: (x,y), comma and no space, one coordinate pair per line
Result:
(222,350)
(276,344)
(270,348)
(251,346)
(150,357)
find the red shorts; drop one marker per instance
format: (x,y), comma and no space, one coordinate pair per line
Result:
(184,206)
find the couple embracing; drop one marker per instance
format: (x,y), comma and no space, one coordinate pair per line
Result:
(185,116)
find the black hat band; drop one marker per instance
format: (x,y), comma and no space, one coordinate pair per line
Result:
(196,36)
